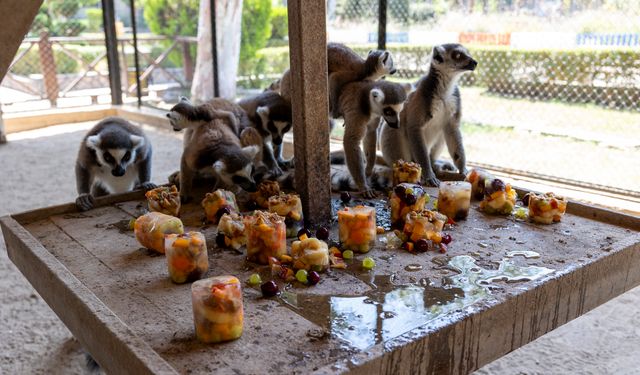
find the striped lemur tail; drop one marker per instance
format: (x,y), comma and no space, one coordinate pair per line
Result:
(341,179)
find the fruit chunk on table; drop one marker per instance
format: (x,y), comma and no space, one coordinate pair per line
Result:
(546,208)
(232,227)
(310,254)
(406,171)
(289,207)
(405,198)
(217,309)
(219,200)
(454,199)
(424,224)
(357,228)
(499,198)
(151,228)
(187,258)
(164,199)
(266,236)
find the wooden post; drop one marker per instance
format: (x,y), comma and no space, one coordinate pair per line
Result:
(187,61)
(309,102)
(111,43)
(48,67)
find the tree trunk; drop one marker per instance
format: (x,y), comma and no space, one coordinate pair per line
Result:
(228,19)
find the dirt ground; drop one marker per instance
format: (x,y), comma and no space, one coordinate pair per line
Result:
(36,170)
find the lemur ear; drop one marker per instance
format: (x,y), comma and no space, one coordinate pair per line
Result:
(184,99)
(136,141)
(250,151)
(377,95)
(408,87)
(384,57)
(370,52)
(438,54)
(93,141)
(263,111)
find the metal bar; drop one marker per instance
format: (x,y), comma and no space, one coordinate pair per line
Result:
(134,29)
(382,24)
(214,49)
(111,42)
(156,64)
(310,107)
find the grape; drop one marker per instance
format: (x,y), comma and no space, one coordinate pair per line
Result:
(347,254)
(498,185)
(410,199)
(521,213)
(301,275)
(220,240)
(223,210)
(254,279)
(322,233)
(269,289)
(368,263)
(252,205)
(345,196)
(304,231)
(422,245)
(525,200)
(399,190)
(443,248)
(446,239)
(313,277)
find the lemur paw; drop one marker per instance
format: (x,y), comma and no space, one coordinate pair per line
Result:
(368,193)
(146,186)
(84,202)
(431,181)
(275,172)
(444,166)
(174,178)
(185,199)
(285,164)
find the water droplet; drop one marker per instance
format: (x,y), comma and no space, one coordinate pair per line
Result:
(483,245)
(413,267)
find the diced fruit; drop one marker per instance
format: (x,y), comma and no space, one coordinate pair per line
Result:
(222,211)
(422,245)
(269,288)
(301,276)
(446,239)
(368,263)
(345,197)
(255,279)
(379,230)
(347,254)
(304,232)
(313,277)
(410,199)
(322,233)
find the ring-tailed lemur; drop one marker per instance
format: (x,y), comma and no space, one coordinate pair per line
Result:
(363,105)
(114,157)
(213,145)
(271,116)
(431,116)
(345,66)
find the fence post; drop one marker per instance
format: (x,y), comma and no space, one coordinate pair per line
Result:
(382,24)
(310,107)
(3,136)
(48,67)
(187,62)
(111,43)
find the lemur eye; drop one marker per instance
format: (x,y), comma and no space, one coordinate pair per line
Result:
(126,156)
(108,158)
(457,56)
(389,112)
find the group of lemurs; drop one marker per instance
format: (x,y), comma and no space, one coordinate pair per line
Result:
(241,143)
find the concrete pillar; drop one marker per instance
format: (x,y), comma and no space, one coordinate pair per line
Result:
(309,101)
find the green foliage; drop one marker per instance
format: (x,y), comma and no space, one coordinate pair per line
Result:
(279,23)
(57,17)
(172,17)
(256,30)
(94,20)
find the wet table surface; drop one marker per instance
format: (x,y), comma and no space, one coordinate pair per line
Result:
(502,283)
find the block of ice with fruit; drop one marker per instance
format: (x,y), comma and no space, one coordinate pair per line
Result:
(357,228)
(546,208)
(424,224)
(477,178)
(454,199)
(151,228)
(289,207)
(266,236)
(217,309)
(218,203)
(164,199)
(405,198)
(310,254)
(406,171)
(499,198)
(266,190)
(187,258)
(232,227)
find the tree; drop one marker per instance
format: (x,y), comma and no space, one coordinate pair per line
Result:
(57,17)
(171,17)
(228,20)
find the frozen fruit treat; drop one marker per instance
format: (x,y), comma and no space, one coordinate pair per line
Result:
(266,236)
(290,208)
(187,258)
(310,254)
(151,228)
(266,190)
(217,309)
(477,177)
(424,224)
(405,198)
(454,199)
(499,198)
(218,203)
(546,208)
(232,227)
(357,228)
(164,199)
(406,171)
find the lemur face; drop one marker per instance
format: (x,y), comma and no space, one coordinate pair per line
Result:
(388,106)
(453,58)
(238,171)
(117,159)
(385,62)
(180,113)
(277,128)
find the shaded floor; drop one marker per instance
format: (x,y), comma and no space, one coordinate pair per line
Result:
(38,172)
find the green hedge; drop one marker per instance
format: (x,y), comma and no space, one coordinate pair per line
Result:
(604,77)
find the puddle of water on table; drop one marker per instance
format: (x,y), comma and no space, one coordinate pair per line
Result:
(525,253)
(390,310)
